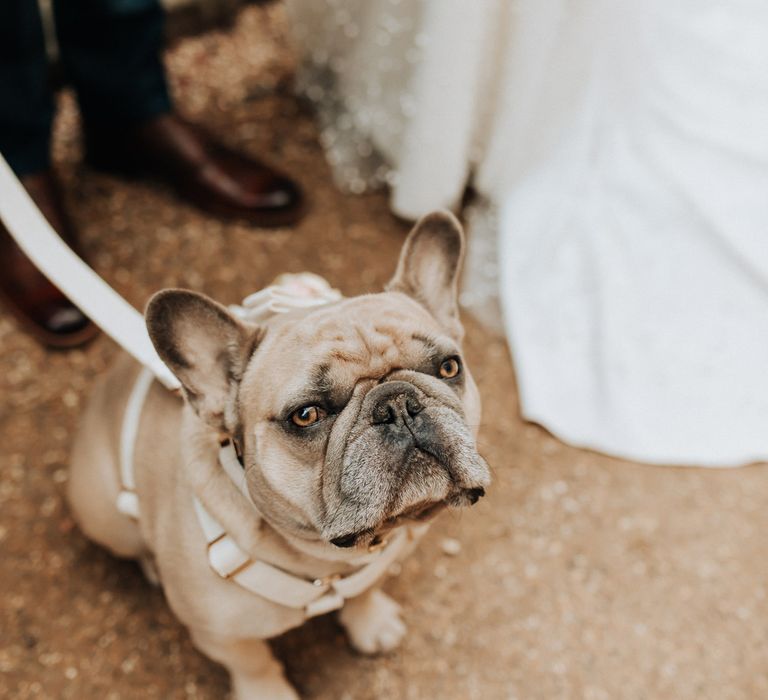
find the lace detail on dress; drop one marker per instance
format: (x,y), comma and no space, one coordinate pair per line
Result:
(356,68)
(356,166)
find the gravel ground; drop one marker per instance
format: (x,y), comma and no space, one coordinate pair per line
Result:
(579,576)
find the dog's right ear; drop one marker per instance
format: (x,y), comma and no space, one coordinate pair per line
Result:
(207,349)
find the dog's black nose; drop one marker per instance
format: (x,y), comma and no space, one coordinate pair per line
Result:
(345,540)
(475,494)
(396,402)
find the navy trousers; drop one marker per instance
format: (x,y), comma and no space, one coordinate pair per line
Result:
(111,54)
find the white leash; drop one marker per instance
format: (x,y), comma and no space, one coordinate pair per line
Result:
(59,263)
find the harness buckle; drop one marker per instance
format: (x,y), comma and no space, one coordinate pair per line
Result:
(327,580)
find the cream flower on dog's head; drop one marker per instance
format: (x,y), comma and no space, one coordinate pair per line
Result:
(288,292)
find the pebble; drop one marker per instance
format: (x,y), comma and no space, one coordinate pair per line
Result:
(450,546)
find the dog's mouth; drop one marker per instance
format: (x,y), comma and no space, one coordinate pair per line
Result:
(417,513)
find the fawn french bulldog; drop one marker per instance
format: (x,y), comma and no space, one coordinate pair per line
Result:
(352,424)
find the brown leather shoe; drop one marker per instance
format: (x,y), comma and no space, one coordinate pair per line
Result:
(39,306)
(201,170)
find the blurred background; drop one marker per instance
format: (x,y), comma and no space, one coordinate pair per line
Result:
(582,575)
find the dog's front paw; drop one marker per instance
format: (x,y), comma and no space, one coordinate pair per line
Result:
(373,623)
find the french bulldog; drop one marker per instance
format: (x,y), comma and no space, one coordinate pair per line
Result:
(354,422)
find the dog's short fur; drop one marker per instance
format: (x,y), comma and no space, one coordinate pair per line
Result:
(396,444)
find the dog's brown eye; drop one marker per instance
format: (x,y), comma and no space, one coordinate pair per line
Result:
(307,415)
(450,368)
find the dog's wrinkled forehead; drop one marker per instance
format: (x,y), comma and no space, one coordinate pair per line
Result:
(307,354)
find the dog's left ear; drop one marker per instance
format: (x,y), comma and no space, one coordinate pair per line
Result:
(205,347)
(429,267)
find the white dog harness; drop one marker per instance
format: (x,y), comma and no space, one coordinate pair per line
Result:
(225,556)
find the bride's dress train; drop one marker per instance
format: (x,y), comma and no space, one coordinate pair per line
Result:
(621,151)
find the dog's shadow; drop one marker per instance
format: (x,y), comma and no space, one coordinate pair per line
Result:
(317,654)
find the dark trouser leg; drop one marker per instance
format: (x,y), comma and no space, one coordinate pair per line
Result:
(26,114)
(111,53)
(26,104)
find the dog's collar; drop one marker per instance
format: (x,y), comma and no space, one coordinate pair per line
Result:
(229,560)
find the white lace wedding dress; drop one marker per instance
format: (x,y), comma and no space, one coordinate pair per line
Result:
(620,149)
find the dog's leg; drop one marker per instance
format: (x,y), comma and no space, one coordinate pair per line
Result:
(373,622)
(255,673)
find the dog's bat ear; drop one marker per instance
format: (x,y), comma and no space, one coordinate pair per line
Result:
(205,347)
(429,267)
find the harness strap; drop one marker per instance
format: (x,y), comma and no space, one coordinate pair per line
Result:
(128,501)
(316,596)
